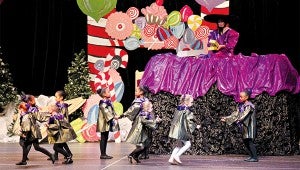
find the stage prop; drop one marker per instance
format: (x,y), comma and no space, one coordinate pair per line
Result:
(276,119)
(112,33)
(215,84)
(269,73)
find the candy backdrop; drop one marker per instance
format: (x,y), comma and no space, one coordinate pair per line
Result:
(115,30)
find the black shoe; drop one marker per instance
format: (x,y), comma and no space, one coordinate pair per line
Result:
(247,159)
(21,163)
(68,160)
(27,159)
(136,159)
(53,158)
(130,159)
(146,157)
(71,156)
(252,160)
(105,157)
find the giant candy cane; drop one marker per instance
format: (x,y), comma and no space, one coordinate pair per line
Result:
(102,51)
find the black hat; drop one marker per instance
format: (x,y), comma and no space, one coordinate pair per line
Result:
(216,17)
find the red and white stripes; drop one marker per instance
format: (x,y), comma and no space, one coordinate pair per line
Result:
(103,54)
(220,9)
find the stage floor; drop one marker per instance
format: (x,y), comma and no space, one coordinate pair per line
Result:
(86,157)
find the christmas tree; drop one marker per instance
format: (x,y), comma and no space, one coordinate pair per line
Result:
(8,92)
(78,81)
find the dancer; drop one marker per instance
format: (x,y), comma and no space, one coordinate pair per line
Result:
(59,132)
(60,96)
(182,127)
(245,118)
(106,120)
(136,106)
(30,131)
(138,134)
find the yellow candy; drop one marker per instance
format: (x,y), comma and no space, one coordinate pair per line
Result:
(136,32)
(194,21)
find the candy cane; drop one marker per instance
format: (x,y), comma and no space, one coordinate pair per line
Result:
(104,80)
(117,58)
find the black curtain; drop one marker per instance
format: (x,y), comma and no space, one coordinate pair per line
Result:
(38,41)
(39,37)
(269,26)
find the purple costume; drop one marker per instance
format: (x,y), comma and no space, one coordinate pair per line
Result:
(229,38)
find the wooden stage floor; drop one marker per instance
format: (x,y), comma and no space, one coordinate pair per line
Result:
(86,157)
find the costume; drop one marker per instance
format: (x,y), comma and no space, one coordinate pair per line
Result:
(105,123)
(60,132)
(139,133)
(229,38)
(135,108)
(182,127)
(30,133)
(245,118)
(131,114)
(63,109)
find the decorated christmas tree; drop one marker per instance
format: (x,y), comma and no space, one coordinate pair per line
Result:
(78,81)
(8,92)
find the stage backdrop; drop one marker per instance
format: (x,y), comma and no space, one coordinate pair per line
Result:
(154,27)
(50,32)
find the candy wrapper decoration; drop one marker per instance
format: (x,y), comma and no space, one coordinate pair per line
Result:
(185,12)
(194,22)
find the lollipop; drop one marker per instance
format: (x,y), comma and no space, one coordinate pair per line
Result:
(133,12)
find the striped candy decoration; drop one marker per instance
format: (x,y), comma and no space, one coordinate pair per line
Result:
(133,12)
(103,80)
(162,33)
(117,58)
(150,30)
(89,132)
(202,32)
(109,56)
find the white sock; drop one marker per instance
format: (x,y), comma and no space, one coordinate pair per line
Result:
(174,152)
(187,145)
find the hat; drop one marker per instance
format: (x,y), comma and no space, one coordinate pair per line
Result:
(216,17)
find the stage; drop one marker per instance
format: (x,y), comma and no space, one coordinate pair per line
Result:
(86,157)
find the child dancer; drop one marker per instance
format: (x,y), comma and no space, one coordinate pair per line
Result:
(138,134)
(181,128)
(59,132)
(60,96)
(30,131)
(245,118)
(105,121)
(136,105)
(135,108)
